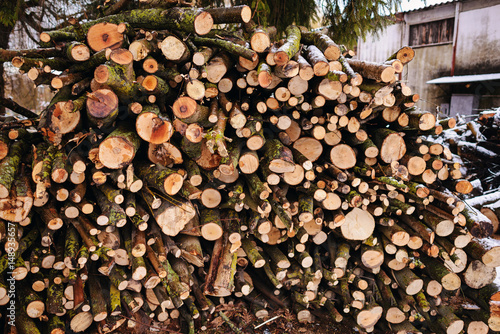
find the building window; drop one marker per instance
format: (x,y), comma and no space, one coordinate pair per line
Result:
(436,32)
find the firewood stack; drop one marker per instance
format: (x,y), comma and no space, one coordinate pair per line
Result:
(475,143)
(181,167)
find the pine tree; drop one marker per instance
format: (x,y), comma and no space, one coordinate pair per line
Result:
(349,19)
(346,20)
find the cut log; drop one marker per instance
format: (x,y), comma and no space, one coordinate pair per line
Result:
(220,277)
(286,52)
(343,156)
(358,225)
(102,107)
(152,126)
(119,148)
(173,217)
(104,35)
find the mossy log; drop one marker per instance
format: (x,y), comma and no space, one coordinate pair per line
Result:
(191,20)
(408,281)
(111,213)
(9,166)
(486,250)
(236,14)
(17,206)
(253,254)
(71,248)
(438,271)
(292,45)
(322,42)
(162,178)
(278,157)
(220,278)
(228,46)
(405,54)
(55,294)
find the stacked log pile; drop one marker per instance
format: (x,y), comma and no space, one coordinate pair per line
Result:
(182,167)
(475,144)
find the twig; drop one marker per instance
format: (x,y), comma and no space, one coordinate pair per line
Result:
(8,124)
(10,104)
(230,323)
(267,321)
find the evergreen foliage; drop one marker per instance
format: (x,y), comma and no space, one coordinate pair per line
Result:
(349,19)
(346,19)
(9,13)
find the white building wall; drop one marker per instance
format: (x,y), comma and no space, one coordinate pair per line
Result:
(478,41)
(477,47)
(379,48)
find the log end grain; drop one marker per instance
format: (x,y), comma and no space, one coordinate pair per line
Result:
(393,148)
(173,183)
(281,58)
(260,42)
(165,154)
(427,121)
(451,282)
(332,52)
(102,103)
(116,152)
(173,48)
(343,156)
(35,309)
(445,228)
(184,107)
(211,198)
(63,119)
(478,275)
(18,207)
(211,231)
(416,165)
(150,65)
(121,56)
(310,147)
(331,90)
(358,225)
(368,317)
(104,35)
(153,128)
(203,23)
(246,14)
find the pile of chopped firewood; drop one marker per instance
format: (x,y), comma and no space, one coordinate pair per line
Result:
(475,144)
(183,165)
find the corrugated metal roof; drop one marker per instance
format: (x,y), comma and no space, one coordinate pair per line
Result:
(423,6)
(464,78)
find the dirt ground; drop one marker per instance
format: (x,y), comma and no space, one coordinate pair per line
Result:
(286,322)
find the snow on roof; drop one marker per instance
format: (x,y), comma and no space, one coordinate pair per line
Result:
(465,78)
(416,5)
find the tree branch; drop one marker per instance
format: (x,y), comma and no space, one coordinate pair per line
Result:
(116,7)
(7,55)
(10,104)
(28,32)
